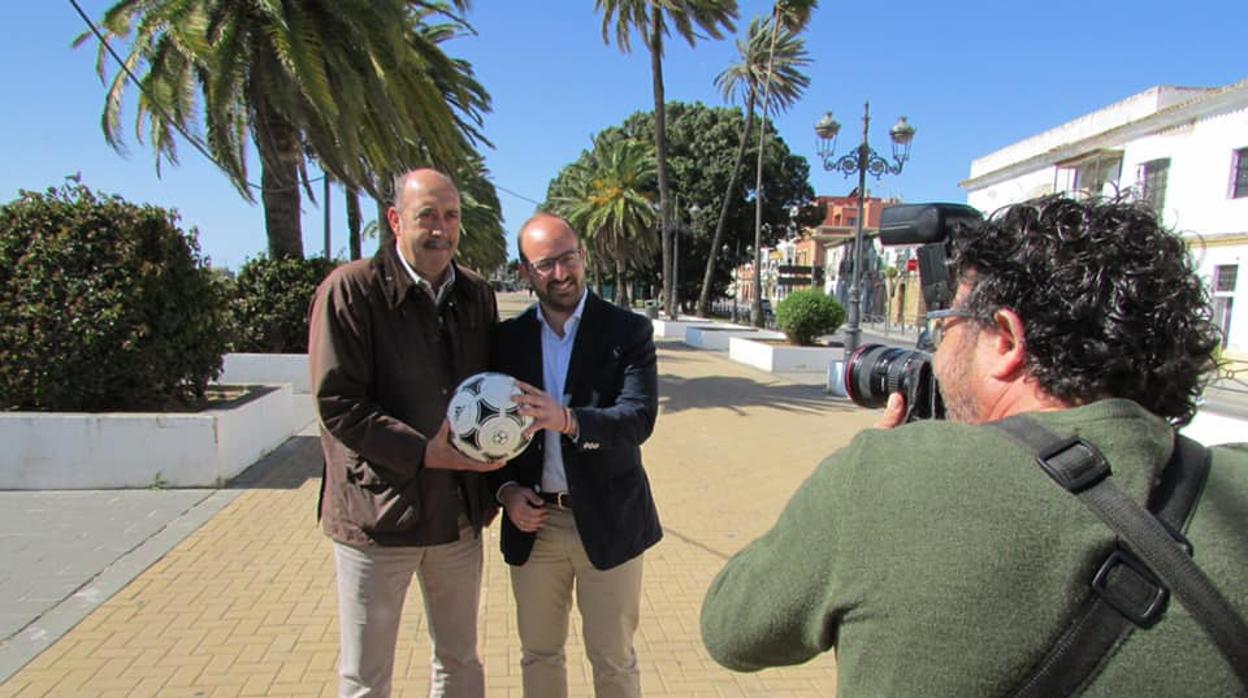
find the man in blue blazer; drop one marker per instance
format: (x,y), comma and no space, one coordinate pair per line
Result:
(579,509)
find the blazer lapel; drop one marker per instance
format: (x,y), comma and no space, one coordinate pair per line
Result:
(530,348)
(585,350)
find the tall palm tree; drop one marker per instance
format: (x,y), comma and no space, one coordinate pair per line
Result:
(786,16)
(606,198)
(650,19)
(744,80)
(364,87)
(354,224)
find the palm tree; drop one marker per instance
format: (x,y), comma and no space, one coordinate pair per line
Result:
(786,16)
(606,198)
(482,240)
(745,79)
(365,88)
(650,19)
(354,221)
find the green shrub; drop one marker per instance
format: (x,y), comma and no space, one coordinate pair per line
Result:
(104,304)
(807,314)
(272,297)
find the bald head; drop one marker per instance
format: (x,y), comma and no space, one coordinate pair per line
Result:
(541,227)
(424,178)
(552,262)
(425,219)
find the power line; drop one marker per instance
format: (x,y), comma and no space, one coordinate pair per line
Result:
(522,197)
(194,141)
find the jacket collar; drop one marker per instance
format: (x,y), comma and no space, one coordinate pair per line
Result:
(396,283)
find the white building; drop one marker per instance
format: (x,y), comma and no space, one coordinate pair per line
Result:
(1185,150)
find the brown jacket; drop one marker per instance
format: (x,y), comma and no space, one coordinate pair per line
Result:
(384,360)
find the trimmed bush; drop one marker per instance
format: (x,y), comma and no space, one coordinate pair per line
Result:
(807,314)
(104,304)
(272,299)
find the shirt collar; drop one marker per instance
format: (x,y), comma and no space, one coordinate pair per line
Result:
(573,319)
(436,295)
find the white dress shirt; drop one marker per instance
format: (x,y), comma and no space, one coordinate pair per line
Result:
(439,295)
(556,355)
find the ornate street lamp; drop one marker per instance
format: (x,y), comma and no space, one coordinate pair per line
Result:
(861,161)
(694,210)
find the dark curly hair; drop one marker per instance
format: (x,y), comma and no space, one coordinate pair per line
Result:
(1110,301)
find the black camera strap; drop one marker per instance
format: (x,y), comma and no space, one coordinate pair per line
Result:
(1152,560)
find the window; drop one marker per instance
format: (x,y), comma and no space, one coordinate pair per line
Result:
(1153,183)
(1092,174)
(1239,174)
(1224,278)
(1091,177)
(1222,307)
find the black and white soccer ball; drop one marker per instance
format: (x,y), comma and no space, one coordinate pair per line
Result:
(485,423)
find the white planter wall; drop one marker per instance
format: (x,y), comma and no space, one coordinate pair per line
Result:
(275,369)
(71,450)
(781,358)
(243,369)
(675,329)
(717,337)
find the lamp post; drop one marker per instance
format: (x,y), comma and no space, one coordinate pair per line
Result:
(736,275)
(693,212)
(861,161)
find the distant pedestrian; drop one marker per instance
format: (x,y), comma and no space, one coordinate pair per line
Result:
(389,339)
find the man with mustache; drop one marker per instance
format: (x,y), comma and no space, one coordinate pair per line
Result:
(389,339)
(579,509)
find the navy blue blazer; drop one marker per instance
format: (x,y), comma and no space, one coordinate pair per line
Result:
(612,384)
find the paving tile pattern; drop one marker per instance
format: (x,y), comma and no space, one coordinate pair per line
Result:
(246,605)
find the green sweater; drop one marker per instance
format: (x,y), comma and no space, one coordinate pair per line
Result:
(939,560)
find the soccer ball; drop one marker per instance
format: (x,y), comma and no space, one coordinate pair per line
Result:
(485,424)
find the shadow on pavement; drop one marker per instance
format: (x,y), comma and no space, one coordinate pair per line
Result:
(286,467)
(677,394)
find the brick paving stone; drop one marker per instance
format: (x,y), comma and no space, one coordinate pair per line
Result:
(246,604)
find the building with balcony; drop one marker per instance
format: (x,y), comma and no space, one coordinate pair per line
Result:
(1183,150)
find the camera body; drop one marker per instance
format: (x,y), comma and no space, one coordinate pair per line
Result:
(874,371)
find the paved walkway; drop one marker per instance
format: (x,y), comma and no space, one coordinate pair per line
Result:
(245,605)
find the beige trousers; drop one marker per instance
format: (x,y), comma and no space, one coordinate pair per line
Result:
(372,583)
(609,602)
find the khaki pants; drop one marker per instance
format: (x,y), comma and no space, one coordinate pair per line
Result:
(609,602)
(372,583)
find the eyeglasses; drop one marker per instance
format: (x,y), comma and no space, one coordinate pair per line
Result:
(570,261)
(937,323)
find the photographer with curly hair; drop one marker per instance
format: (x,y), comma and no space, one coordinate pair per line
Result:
(937,557)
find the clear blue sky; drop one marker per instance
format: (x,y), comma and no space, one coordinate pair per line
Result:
(971,76)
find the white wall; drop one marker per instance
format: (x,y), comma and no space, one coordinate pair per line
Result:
(1197,201)
(1029,186)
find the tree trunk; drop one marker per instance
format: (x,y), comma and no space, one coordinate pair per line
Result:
(353,223)
(329,230)
(704,298)
(621,288)
(385,236)
(757,309)
(660,149)
(278,144)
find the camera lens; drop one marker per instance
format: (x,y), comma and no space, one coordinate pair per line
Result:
(876,371)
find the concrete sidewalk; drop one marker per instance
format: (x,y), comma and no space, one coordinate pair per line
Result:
(245,605)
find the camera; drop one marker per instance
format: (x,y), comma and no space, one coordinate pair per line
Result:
(875,371)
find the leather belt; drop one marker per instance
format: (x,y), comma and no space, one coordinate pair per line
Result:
(561,500)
